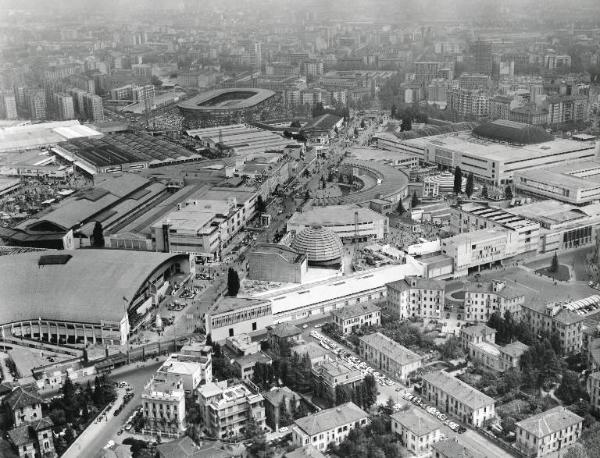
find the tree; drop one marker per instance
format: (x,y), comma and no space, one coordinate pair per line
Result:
(259,446)
(406,124)
(415,200)
(98,235)
(371,392)
(261,207)
(452,348)
(570,389)
(285,417)
(469,187)
(554,266)
(400,209)
(484,192)
(508,192)
(233,282)
(457,180)
(155,80)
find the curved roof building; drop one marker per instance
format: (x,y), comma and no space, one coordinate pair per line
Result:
(512,132)
(380,181)
(322,246)
(88,288)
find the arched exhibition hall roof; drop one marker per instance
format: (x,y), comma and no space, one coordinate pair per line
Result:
(512,132)
(84,286)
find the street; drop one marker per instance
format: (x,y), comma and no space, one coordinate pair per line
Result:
(96,436)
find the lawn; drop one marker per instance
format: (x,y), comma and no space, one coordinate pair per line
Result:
(561,275)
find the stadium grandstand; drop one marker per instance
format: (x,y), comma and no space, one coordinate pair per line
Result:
(83,296)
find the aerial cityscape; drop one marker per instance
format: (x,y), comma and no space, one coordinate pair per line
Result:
(299,228)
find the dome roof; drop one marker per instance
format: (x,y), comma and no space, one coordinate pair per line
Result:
(319,244)
(512,132)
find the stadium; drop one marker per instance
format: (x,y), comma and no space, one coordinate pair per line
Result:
(227,106)
(85,296)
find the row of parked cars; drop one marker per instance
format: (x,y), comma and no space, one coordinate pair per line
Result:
(416,400)
(349,359)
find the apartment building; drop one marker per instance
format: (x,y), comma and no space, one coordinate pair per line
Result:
(25,406)
(559,319)
(330,374)
(388,355)
(245,364)
(567,108)
(275,399)
(353,317)
(242,345)
(457,398)
(93,107)
(416,297)
(496,357)
(593,389)
(163,403)
(191,370)
(226,410)
(482,300)
(65,108)
(282,336)
(452,448)
(418,431)
(8,105)
(465,102)
(510,355)
(548,432)
(476,334)
(328,426)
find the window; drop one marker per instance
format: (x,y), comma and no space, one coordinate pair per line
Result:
(230,332)
(254,326)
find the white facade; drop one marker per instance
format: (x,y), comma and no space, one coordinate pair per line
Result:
(164,407)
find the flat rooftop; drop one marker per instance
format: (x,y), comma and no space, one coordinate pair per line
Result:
(334,215)
(503,152)
(43,134)
(286,298)
(230,304)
